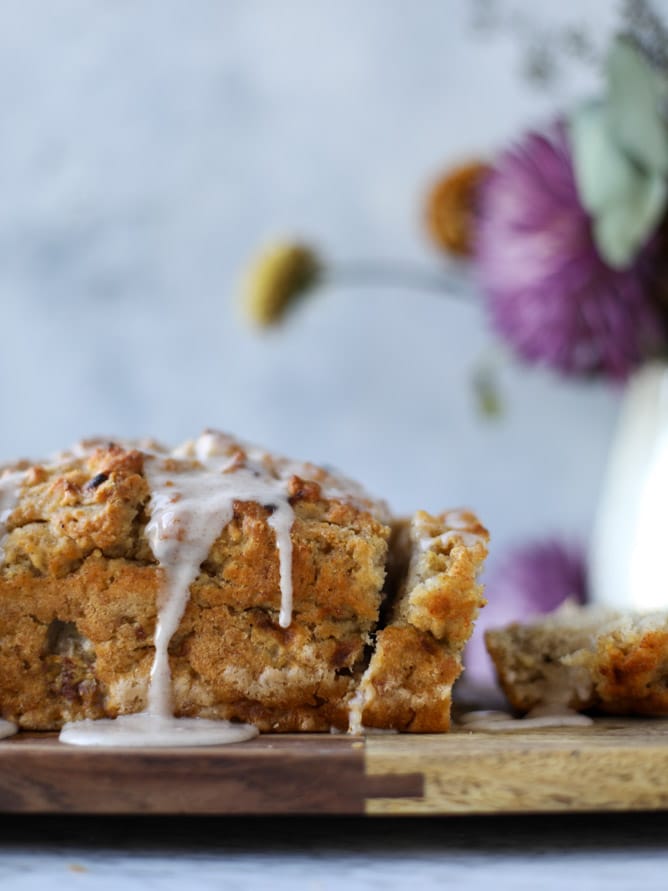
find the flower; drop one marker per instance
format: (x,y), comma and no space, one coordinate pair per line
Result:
(533,579)
(276,278)
(450,208)
(537,577)
(549,292)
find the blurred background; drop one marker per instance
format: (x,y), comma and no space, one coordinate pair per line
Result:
(148,148)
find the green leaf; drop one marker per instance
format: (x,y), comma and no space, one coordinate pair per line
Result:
(603,173)
(637,92)
(624,227)
(625,201)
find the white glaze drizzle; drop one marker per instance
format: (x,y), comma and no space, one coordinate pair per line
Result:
(457,524)
(188,511)
(355,711)
(7,729)
(468,539)
(457,519)
(333,484)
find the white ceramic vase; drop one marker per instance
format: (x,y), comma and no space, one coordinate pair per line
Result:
(629,552)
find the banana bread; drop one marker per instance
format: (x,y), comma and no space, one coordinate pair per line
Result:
(280,615)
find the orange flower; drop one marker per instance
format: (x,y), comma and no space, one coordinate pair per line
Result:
(451,207)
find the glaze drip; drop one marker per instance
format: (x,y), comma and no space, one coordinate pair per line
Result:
(189,508)
(144,730)
(7,729)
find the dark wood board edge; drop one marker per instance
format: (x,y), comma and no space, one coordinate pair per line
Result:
(314,774)
(617,764)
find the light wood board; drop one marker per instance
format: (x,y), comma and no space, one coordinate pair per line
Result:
(616,765)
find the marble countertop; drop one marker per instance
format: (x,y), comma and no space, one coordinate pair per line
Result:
(612,851)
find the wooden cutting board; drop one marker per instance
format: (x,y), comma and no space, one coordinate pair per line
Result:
(616,765)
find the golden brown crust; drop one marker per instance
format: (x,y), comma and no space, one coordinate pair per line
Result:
(633,679)
(587,659)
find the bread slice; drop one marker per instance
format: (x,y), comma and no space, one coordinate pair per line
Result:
(585,658)
(417,654)
(81,582)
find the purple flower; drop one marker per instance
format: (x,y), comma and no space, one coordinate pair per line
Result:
(537,577)
(531,580)
(550,294)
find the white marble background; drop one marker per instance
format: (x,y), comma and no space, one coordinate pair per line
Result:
(148,147)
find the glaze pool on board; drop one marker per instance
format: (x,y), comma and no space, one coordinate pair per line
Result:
(144,730)
(539,718)
(7,729)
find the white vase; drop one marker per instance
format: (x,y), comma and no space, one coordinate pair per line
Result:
(629,551)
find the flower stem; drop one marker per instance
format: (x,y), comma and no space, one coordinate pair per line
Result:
(372,274)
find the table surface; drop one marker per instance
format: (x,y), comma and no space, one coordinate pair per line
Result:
(611,851)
